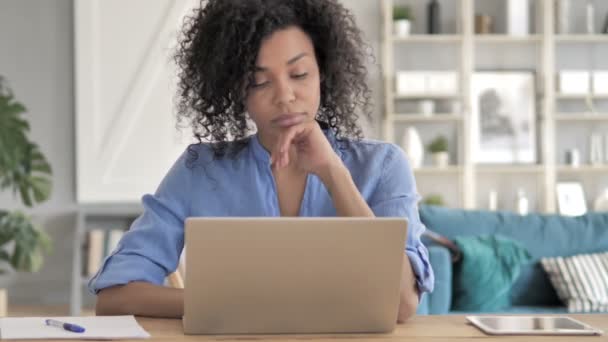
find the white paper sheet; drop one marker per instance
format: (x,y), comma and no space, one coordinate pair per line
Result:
(96,327)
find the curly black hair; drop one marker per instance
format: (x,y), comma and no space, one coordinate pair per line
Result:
(216,56)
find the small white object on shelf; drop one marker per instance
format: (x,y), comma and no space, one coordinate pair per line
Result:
(426,107)
(571,199)
(574,82)
(601,202)
(426,82)
(563,16)
(518,16)
(441,159)
(606,148)
(493,200)
(522,202)
(413,147)
(573,157)
(456,107)
(590,9)
(402,27)
(600,82)
(595,149)
(442,82)
(410,82)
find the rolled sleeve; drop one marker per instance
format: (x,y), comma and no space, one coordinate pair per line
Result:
(396,196)
(150,249)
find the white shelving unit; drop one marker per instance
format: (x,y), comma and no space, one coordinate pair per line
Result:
(425,38)
(503,38)
(467,176)
(418,117)
(574,117)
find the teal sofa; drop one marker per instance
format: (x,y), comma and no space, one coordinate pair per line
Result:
(541,235)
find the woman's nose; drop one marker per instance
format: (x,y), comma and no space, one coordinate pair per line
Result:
(284,93)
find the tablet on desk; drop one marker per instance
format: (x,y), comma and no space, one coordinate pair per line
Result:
(532,325)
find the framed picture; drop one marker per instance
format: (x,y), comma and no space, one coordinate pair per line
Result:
(503,117)
(571,199)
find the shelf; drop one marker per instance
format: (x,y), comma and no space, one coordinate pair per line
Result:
(509,168)
(544,50)
(581,117)
(504,38)
(580,96)
(434,170)
(582,38)
(109,209)
(429,38)
(427,96)
(437,117)
(565,169)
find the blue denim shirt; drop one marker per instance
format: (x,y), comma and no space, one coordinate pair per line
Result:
(245,187)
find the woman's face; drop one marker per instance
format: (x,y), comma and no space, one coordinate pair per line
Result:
(286,87)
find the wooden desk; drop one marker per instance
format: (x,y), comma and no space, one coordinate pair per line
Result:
(421,328)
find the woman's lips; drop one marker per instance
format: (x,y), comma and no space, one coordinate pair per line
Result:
(288,120)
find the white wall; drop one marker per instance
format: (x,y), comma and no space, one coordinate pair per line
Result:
(36,59)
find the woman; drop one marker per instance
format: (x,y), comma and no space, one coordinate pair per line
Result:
(294,68)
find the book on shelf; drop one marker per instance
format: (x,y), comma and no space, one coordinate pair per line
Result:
(100,243)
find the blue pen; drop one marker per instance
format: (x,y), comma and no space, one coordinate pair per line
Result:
(66,326)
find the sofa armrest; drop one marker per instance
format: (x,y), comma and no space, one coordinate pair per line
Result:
(439,301)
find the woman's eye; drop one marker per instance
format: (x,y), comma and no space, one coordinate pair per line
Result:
(259,85)
(298,76)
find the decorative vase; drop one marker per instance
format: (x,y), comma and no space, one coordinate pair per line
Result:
(426,107)
(483,24)
(573,158)
(522,202)
(518,16)
(590,18)
(441,159)
(413,147)
(434,17)
(595,149)
(606,149)
(493,200)
(563,16)
(601,202)
(402,27)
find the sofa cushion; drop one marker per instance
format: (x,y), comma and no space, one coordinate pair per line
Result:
(486,271)
(541,235)
(581,281)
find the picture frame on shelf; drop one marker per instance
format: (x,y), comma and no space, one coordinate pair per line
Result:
(571,199)
(503,119)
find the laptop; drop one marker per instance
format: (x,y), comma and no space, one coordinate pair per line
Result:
(292,275)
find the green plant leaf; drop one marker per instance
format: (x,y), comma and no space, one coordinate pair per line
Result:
(22,166)
(30,243)
(4,256)
(439,144)
(25,170)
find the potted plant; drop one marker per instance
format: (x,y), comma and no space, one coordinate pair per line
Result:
(25,171)
(434,199)
(402,20)
(439,150)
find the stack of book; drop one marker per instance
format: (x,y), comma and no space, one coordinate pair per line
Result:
(100,244)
